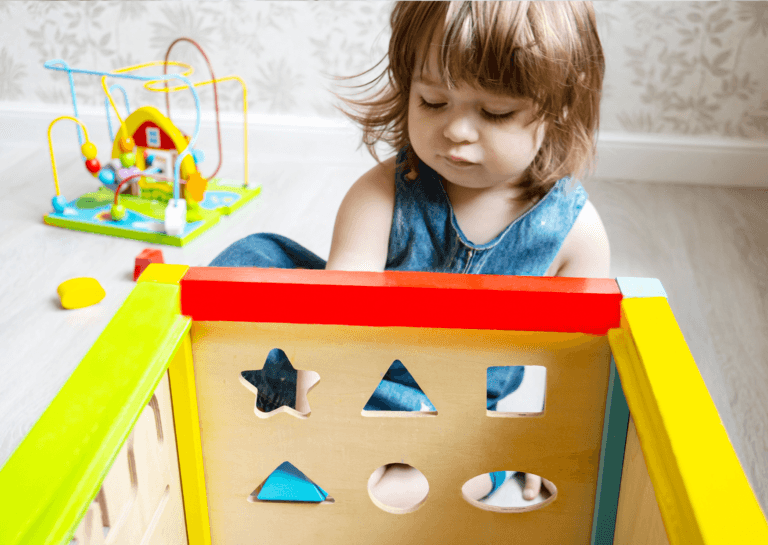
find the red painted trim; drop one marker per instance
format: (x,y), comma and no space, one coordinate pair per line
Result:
(410,299)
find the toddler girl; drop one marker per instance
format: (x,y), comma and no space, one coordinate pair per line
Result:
(493,109)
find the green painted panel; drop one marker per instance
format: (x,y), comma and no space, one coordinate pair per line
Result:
(54,474)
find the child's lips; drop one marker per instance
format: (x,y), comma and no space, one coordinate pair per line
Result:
(459,161)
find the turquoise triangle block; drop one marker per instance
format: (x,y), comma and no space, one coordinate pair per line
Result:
(286,483)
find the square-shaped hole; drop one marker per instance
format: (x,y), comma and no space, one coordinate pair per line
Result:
(516,390)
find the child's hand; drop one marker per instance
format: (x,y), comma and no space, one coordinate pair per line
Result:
(532,486)
(481,486)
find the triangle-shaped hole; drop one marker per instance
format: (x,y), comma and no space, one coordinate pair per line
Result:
(288,484)
(398,394)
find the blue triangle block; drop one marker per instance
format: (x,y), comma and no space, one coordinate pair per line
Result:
(398,391)
(286,483)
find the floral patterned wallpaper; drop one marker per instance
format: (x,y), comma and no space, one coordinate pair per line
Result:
(695,68)
(687,68)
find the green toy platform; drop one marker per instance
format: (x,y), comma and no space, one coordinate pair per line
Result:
(144,219)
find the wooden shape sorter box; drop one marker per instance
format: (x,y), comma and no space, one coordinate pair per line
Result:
(196,330)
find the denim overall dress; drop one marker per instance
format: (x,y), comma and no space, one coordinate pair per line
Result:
(425,236)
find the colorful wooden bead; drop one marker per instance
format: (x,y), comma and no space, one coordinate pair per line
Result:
(117,212)
(107,175)
(128,159)
(93,166)
(59,203)
(126,144)
(88,150)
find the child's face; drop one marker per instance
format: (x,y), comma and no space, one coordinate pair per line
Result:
(471,124)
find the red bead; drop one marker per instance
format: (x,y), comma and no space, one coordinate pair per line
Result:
(93,165)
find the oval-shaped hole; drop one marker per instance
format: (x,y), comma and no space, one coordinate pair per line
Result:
(398,488)
(503,491)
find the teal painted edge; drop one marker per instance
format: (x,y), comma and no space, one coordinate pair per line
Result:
(640,287)
(611,461)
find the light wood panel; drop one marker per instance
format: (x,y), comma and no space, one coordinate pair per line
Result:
(339,449)
(140,499)
(638,519)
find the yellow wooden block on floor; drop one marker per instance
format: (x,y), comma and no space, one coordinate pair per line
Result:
(80,292)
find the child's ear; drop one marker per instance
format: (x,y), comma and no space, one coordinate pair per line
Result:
(543,129)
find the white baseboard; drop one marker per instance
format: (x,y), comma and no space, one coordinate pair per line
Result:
(655,158)
(682,160)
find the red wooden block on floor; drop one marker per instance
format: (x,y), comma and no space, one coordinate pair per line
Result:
(147,256)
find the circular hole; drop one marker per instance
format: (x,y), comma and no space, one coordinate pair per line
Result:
(503,491)
(398,488)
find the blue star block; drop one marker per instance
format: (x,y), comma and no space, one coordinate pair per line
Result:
(286,483)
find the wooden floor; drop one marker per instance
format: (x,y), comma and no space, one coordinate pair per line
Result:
(708,246)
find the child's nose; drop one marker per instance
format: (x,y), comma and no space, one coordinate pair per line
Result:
(460,128)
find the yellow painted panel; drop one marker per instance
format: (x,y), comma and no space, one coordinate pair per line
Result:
(681,433)
(184,397)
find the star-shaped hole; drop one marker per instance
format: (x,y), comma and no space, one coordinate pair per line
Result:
(279,387)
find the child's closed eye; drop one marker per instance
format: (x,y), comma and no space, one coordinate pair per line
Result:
(431,105)
(499,117)
(488,115)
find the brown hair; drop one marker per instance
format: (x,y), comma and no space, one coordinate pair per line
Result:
(546,51)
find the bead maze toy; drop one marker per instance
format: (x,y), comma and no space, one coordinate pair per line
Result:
(151,188)
(154,439)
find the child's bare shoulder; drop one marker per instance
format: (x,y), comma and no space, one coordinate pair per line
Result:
(381,176)
(585,252)
(375,187)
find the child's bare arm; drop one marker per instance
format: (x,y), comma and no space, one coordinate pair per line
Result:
(361,233)
(586,254)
